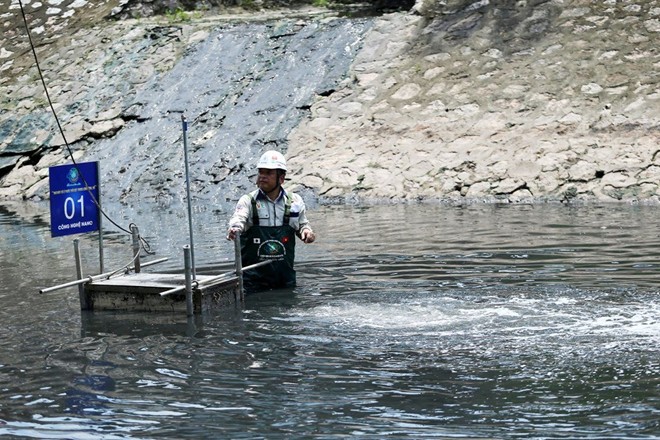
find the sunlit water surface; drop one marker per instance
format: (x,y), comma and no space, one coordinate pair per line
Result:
(408,322)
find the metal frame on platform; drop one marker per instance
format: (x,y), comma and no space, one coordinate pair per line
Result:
(123,282)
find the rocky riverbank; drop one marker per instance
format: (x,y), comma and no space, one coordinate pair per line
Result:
(541,101)
(452,101)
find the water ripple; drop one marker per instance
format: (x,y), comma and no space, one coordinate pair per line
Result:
(472,322)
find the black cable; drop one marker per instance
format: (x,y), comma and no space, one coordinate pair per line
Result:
(145,244)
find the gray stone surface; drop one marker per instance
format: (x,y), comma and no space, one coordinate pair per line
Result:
(527,101)
(466,101)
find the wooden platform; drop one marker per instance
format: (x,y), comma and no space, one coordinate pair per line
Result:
(131,289)
(141,292)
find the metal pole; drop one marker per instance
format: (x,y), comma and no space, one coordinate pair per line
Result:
(150,263)
(90,279)
(136,247)
(79,275)
(188,274)
(173,290)
(98,202)
(233,273)
(239,294)
(212,280)
(184,125)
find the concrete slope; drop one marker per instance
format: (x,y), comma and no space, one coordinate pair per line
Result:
(494,101)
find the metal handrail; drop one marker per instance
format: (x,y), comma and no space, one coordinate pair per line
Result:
(91,278)
(214,279)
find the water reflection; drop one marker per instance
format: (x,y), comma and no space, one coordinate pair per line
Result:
(409,321)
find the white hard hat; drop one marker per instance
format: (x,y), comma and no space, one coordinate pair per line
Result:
(272,160)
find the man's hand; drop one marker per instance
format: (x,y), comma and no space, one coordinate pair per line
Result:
(307,236)
(232,232)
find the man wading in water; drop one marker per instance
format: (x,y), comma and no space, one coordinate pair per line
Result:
(269,219)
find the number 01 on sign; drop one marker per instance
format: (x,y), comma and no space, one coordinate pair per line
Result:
(74,198)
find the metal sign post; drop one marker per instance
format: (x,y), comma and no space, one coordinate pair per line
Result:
(188,279)
(98,202)
(184,125)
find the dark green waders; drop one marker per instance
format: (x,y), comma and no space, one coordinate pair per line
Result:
(274,243)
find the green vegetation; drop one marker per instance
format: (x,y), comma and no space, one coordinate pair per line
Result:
(321,3)
(177,16)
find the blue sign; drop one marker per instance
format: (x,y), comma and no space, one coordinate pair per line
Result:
(73,192)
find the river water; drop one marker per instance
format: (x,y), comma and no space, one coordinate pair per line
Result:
(409,321)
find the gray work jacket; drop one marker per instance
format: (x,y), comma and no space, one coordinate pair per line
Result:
(271,213)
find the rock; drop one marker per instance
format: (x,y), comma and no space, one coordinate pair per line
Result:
(618,180)
(406,92)
(7,162)
(582,171)
(22,176)
(524,170)
(106,128)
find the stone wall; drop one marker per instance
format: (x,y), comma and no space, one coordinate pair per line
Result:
(455,100)
(476,101)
